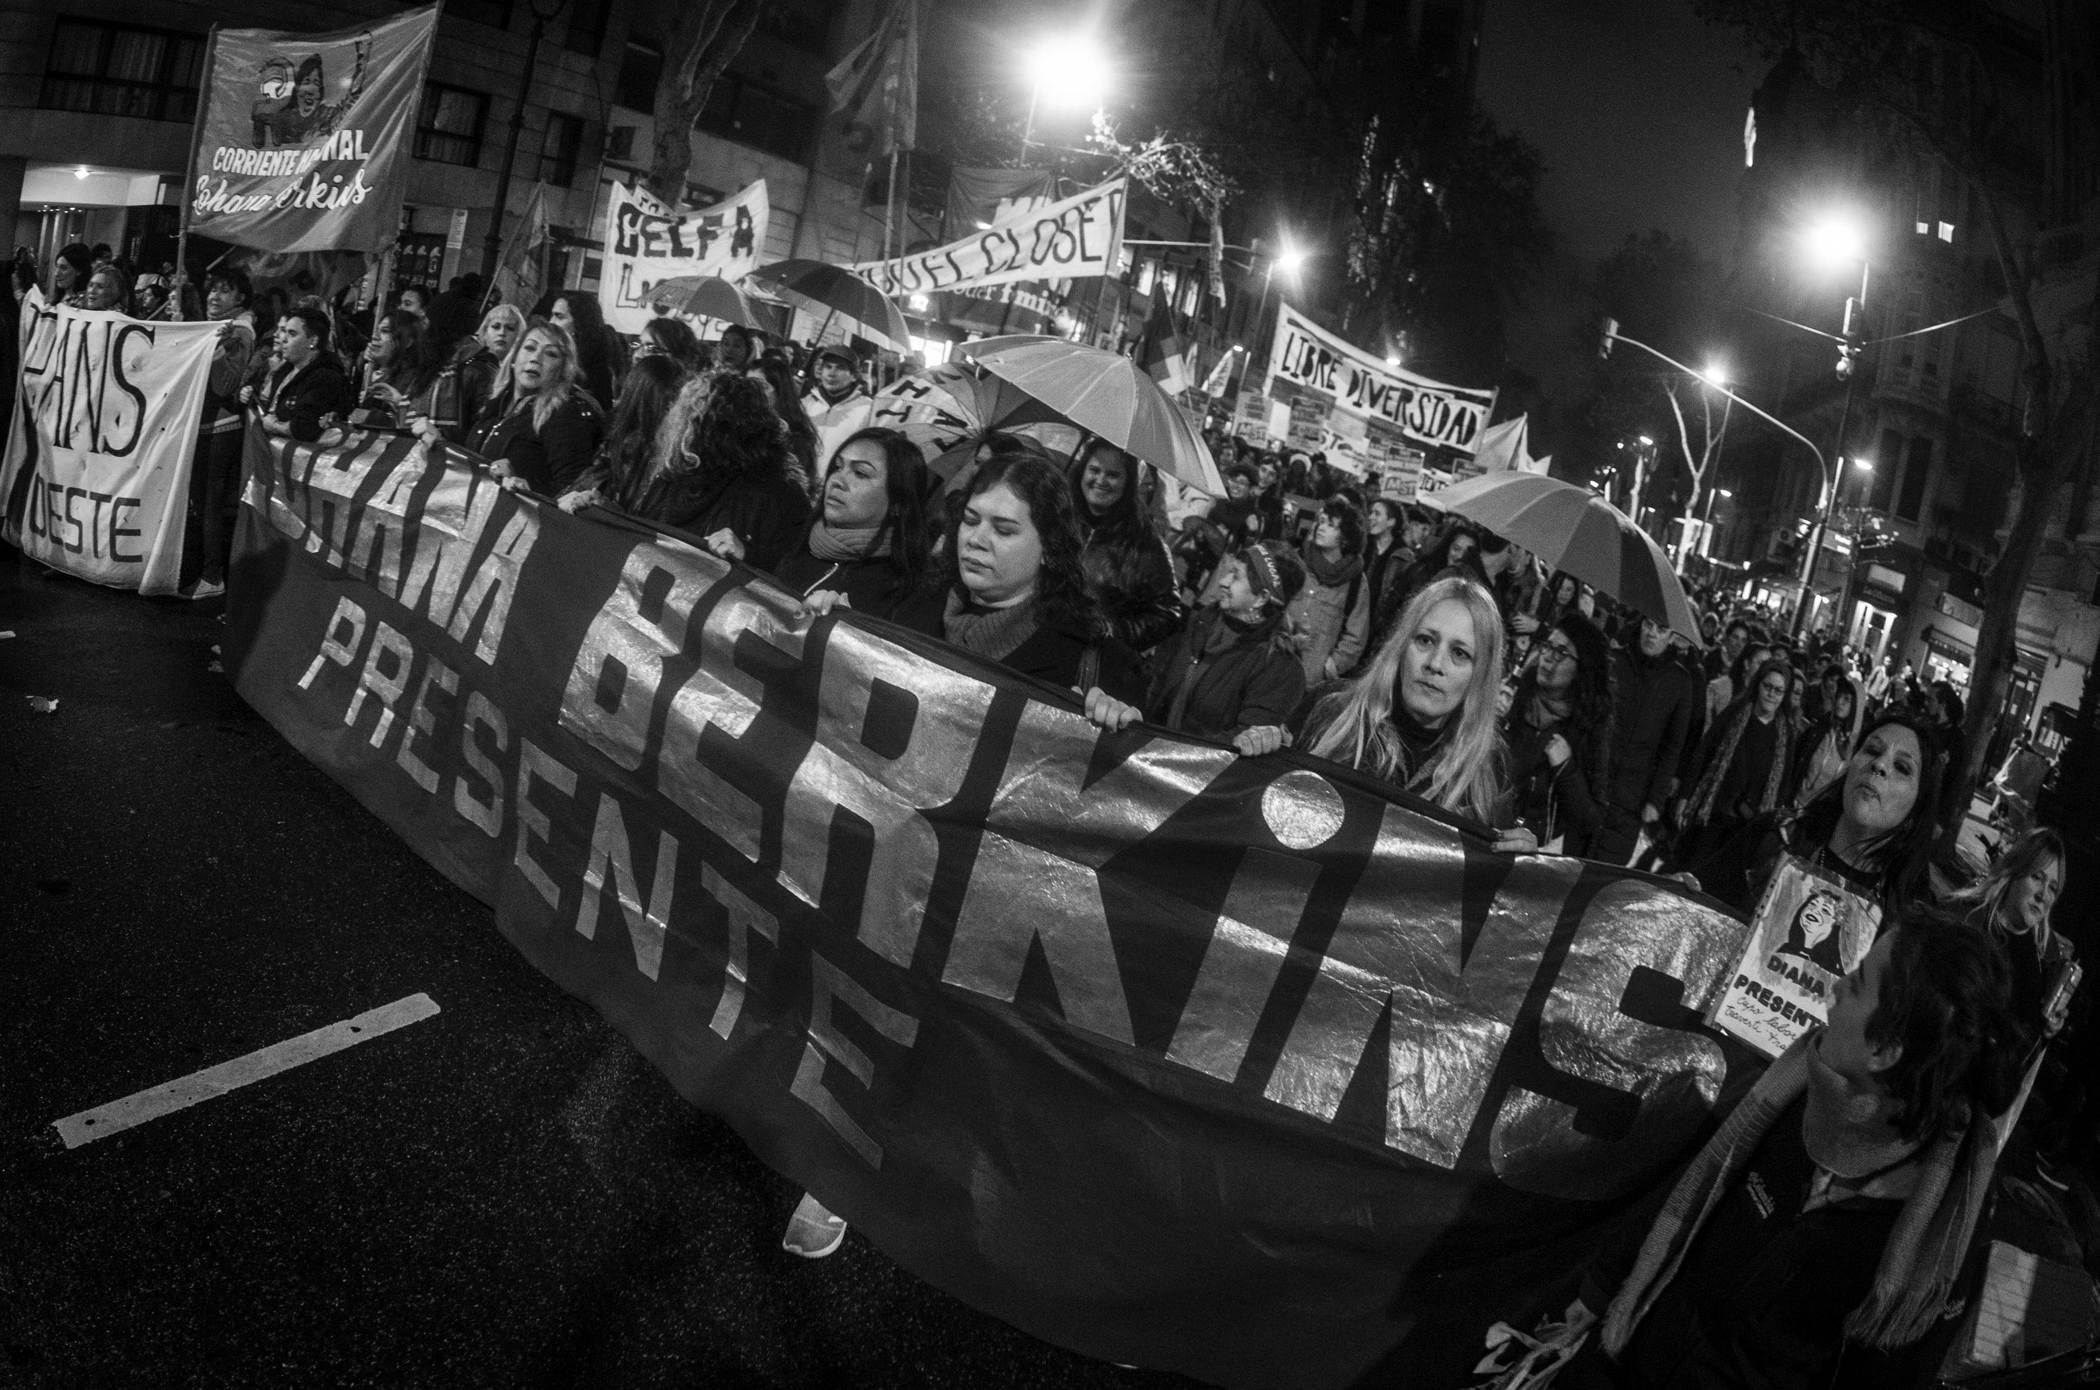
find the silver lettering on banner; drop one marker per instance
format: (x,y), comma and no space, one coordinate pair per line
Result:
(828,986)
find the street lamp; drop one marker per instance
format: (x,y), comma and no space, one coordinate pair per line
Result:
(1290,259)
(1066,72)
(1837,239)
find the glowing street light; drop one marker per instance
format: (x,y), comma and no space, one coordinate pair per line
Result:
(1066,72)
(1290,259)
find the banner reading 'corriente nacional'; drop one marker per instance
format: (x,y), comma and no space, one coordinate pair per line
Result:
(302,140)
(1237,1066)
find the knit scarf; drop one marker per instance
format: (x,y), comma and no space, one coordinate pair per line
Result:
(1923,1256)
(837,544)
(1333,573)
(992,633)
(1709,786)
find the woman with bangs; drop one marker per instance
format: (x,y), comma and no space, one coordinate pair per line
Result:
(1423,713)
(539,426)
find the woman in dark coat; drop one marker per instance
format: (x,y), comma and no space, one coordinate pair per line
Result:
(601,354)
(626,459)
(1233,667)
(1559,734)
(1128,569)
(539,427)
(467,382)
(724,472)
(867,545)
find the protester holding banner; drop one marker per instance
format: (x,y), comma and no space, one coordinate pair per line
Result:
(1233,669)
(540,426)
(106,290)
(467,382)
(308,389)
(69,275)
(215,473)
(1129,570)
(1331,617)
(620,475)
(400,372)
(1422,715)
(1559,736)
(724,471)
(1820,1234)
(867,545)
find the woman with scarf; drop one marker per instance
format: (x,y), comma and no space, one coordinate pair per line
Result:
(1128,568)
(1232,673)
(1009,590)
(1559,735)
(1819,1235)
(867,546)
(1422,715)
(1826,745)
(723,471)
(1741,769)
(1331,617)
(540,426)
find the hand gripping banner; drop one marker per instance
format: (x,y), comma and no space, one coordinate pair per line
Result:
(1234,1066)
(302,140)
(97,469)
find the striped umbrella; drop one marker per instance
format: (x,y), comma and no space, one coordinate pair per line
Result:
(1106,394)
(1571,528)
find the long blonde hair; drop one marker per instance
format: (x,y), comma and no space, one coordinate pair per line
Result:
(1465,774)
(556,388)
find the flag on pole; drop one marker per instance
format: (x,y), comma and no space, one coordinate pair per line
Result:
(877,85)
(1217,253)
(1220,376)
(522,272)
(1166,355)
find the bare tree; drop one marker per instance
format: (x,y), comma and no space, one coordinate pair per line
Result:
(705,37)
(1699,463)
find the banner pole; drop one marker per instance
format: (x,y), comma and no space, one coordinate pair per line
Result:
(189,175)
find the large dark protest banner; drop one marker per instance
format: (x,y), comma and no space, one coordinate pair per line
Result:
(1430,413)
(1076,236)
(302,140)
(1235,1066)
(97,469)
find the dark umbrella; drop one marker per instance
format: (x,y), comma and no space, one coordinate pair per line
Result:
(835,292)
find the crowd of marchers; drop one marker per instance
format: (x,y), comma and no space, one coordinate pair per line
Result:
(1831,1236)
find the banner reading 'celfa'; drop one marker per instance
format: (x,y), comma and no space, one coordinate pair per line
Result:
(97,469)
(302,140)
(1064,240)
(1427,412)
(645,245)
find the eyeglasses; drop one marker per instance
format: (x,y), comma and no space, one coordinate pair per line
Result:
(1559,651)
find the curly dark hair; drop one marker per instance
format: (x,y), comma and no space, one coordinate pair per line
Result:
(1060,592)
(1946,1000)
(1591,700)
(737,430)
(1351,521)
(1125,521)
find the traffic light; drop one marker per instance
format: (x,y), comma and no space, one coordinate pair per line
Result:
(1611,332)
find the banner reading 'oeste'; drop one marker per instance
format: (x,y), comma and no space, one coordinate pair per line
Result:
(302,140)
(1236,1066)
(1427,412)
(97,469)
(1077,236)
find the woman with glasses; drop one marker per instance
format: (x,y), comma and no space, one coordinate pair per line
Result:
(1559,734)
(672,338)
(1741,770)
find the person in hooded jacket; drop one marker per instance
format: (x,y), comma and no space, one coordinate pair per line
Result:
(1128,568)
(867,546)
(1233,667)
(1656,706)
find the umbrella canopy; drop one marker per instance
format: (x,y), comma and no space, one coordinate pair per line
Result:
(1571,528)
(946,409)
(1106,394)
(836,293)
(704,297)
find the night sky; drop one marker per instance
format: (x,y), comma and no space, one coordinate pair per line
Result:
(1637,109)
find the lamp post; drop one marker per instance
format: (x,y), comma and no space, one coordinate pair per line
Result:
(1835,239)
(1290,259)
(1070,69)
(492,249)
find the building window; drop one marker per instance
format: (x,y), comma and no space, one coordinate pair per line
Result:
(586,32)
(449,126)
(559,148)
(1888,463)
(494,13)
(113,70)
(641,70)
(742,111)
(1917,466)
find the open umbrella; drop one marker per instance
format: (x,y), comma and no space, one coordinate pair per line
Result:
(1571,528)
(946,409)
(1106,394)
(836,293)
(704,297)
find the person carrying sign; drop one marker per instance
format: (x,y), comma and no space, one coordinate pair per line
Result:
(215,475)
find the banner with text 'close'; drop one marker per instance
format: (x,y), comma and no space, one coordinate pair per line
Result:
(96,474)
(1233,1066)
(303,141)
(1073,237)
(1429,413)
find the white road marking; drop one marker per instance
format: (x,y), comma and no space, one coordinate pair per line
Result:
(185,1091)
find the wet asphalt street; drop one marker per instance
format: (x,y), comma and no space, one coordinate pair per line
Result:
(502,1194)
